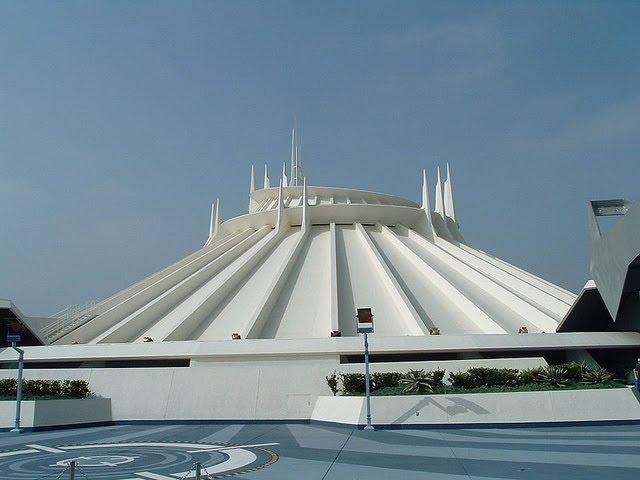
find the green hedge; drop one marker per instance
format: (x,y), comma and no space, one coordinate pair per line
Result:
(483,379)
(45,388)
(354,383)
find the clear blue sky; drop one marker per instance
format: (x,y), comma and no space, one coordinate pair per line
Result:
(121,121)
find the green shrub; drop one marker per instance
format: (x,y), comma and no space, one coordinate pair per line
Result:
(594,376)
(530,376)
(389,391)
(46,388)
(76,389)
(352,383)
(8,387)
(575,371)
(42,388)
(462,380)
(484,377)
(332,382)
(417,381)
(385,380)
(492,377)
(555,376)
(437,377)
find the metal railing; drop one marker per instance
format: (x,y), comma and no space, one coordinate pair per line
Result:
(67,319)
(73,471)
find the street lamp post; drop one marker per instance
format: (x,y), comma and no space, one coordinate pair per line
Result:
(365,326)
(14,339)
(367,382)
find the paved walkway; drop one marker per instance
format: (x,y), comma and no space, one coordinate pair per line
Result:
(316,452)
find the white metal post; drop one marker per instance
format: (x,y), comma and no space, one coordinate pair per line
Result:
(16,428)
(367,382)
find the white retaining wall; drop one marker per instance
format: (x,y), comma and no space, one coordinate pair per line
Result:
(289,387)
(47,413)
(283,387)
(549,406)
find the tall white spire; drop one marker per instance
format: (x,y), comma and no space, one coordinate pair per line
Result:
(280,218)
(252,187)
(284,174)
(305,206)
(425,195)
(252,182)
(214,223)
(439,197)
(267,182)
(449,206)
(299,166)
(292,171)
(296,174)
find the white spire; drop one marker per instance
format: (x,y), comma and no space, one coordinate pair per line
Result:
(296,175)
(425,195)
(449,206)
(292,171)
(280,220)
(305,206)
(252,188)
(214,223)
(284,174)
(252,183)
(439,197)
(267,182)
(299,166)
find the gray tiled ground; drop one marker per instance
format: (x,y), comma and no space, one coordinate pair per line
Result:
(311,452)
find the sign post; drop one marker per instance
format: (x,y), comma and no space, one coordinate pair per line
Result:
(14,339)
(365,326)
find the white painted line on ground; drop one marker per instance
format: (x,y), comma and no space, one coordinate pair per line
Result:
(229,447)
(154,476)
(44,448)
(89,446)
(18,452)
(238,458)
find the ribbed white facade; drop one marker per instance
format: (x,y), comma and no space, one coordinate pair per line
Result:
(301,261)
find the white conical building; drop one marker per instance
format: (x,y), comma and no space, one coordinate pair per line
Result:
(305,257)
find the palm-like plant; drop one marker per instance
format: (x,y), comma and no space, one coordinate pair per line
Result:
(555,376)
(417,381)
(597,375)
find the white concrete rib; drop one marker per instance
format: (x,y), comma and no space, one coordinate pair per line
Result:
(552,289)
(133,324)
(256,323)
(114,315)
(234,312)
(459,303)
(415,325)
(182,322)
(549,304)
(302,308)
(122,295)
(505,308)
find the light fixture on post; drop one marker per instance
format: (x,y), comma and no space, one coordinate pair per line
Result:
(365,325)
(14,339)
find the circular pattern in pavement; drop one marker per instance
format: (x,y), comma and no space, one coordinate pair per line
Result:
(133,461)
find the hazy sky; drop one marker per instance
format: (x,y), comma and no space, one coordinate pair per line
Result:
(120,123)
